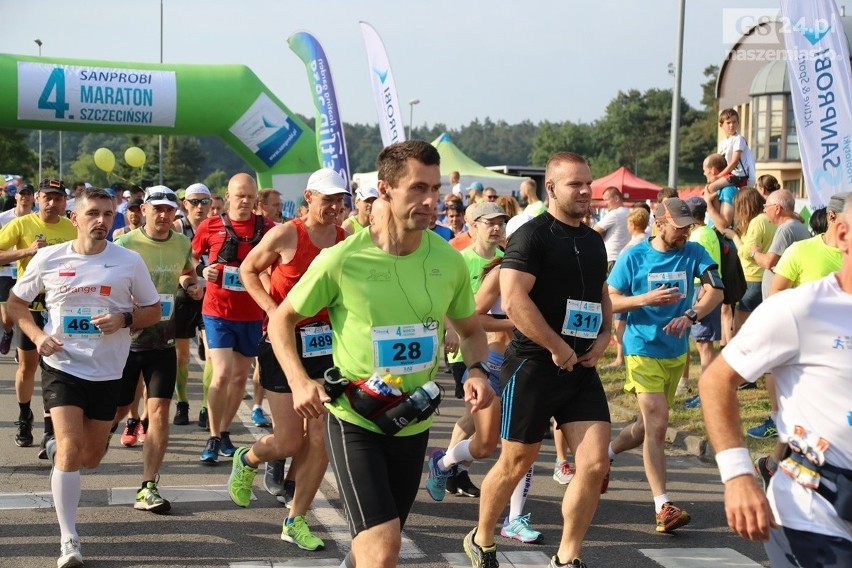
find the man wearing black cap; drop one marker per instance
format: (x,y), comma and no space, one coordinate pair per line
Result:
(654,283)
(132,216)
(19,241)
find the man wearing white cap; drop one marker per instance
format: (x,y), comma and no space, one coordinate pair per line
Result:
(152,350)
(232,320)
(364,198)
(290,248)
(187,310)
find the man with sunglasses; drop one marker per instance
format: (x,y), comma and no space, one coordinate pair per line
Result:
(188,310)
(232,319)
(654,283)
(19,241)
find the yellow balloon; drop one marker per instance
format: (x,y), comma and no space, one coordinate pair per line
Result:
(105,159)
(135,157)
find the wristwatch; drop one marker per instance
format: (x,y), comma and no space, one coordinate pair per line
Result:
(128,319)
(691,315)
(481,366)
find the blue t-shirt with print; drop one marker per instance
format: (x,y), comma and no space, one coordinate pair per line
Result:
(639,269)
(726,195)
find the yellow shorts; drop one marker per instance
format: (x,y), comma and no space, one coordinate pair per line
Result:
(648,374)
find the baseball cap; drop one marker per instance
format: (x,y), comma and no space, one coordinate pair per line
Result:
(476,185)
(838,201)
(160,195)
(126,194)
(327,182)
(676,210)
(365,193)
(197,189)
(111,191)
(696,205)
(487,210)
(27,187)
(12,189)
(135,203)
(50,185)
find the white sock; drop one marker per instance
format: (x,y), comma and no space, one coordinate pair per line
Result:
(519,495)
(610,453)
(458,453)
(661,500)
(347,563)
(65,486)
(255,407)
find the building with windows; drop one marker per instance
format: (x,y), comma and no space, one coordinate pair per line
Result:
(754,80)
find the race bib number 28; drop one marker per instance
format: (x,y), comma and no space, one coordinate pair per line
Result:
(401,349)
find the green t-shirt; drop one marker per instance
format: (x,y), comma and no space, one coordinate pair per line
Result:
(760,232)
(166,261)
(356,226)
(808,260)
(475,264)
(386,312)
(706,237)
(535,209)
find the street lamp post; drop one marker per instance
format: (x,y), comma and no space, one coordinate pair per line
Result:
(411,104)
(675,126)
(160,137)
(39,44)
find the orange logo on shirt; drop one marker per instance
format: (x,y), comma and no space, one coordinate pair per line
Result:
(106,290)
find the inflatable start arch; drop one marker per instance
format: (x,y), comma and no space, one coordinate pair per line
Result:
(227,101)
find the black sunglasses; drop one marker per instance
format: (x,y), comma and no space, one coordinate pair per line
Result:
(160,195)
(197,202)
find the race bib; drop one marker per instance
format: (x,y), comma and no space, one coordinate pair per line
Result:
(15,271)
(668,280)
(401,349)
(582,319)
(76,321)
(231,279)
(316,340)
(167,306)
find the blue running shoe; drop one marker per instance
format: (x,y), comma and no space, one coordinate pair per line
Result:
(227,448)
(436,479)
(259,418)
(520,529)
(766,430)
(692,402)
(210,455)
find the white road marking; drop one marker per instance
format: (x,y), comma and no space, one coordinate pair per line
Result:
(42,500)
(698,557)
(174,493)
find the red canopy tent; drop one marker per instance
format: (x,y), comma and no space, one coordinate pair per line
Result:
(632,187)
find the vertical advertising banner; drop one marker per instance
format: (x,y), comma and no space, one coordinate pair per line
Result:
(820,87)
(331,145)
(384,87)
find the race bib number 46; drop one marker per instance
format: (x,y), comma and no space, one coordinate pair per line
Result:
(76,321)
(582,319)
(401,349)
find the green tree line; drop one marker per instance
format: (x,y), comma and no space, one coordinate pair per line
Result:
(633,132)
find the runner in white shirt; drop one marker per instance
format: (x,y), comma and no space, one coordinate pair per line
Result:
(90,289)
(807,513)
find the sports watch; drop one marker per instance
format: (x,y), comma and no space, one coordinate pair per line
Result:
(691,315)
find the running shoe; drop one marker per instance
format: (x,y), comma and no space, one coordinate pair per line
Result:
(227,448)
(605,482)
(761,468)
(273,477)
(148,499)
(50,450)
(480,557)
(201,353)
(563,473)
(520,529)
(259,418)
(70,553)
(766,430)
(181,414)
(42,448)
(671,518)
(692,402)
(287,493)
(436,479)
(130,436)
(576,563)
(210,454)
(142,431)
(300,534)
(6,341)
(464,486)
(24,431)
(241,479)
(202,418)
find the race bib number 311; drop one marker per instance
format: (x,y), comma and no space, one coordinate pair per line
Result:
(582,319)
(401,349)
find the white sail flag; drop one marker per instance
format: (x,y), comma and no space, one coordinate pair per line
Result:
(384,88)
(821,91)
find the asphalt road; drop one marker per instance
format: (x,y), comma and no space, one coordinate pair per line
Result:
(205,529)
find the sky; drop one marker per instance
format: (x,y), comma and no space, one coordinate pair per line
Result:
(463,59)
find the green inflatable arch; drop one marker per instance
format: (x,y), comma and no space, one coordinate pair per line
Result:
(227,101)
